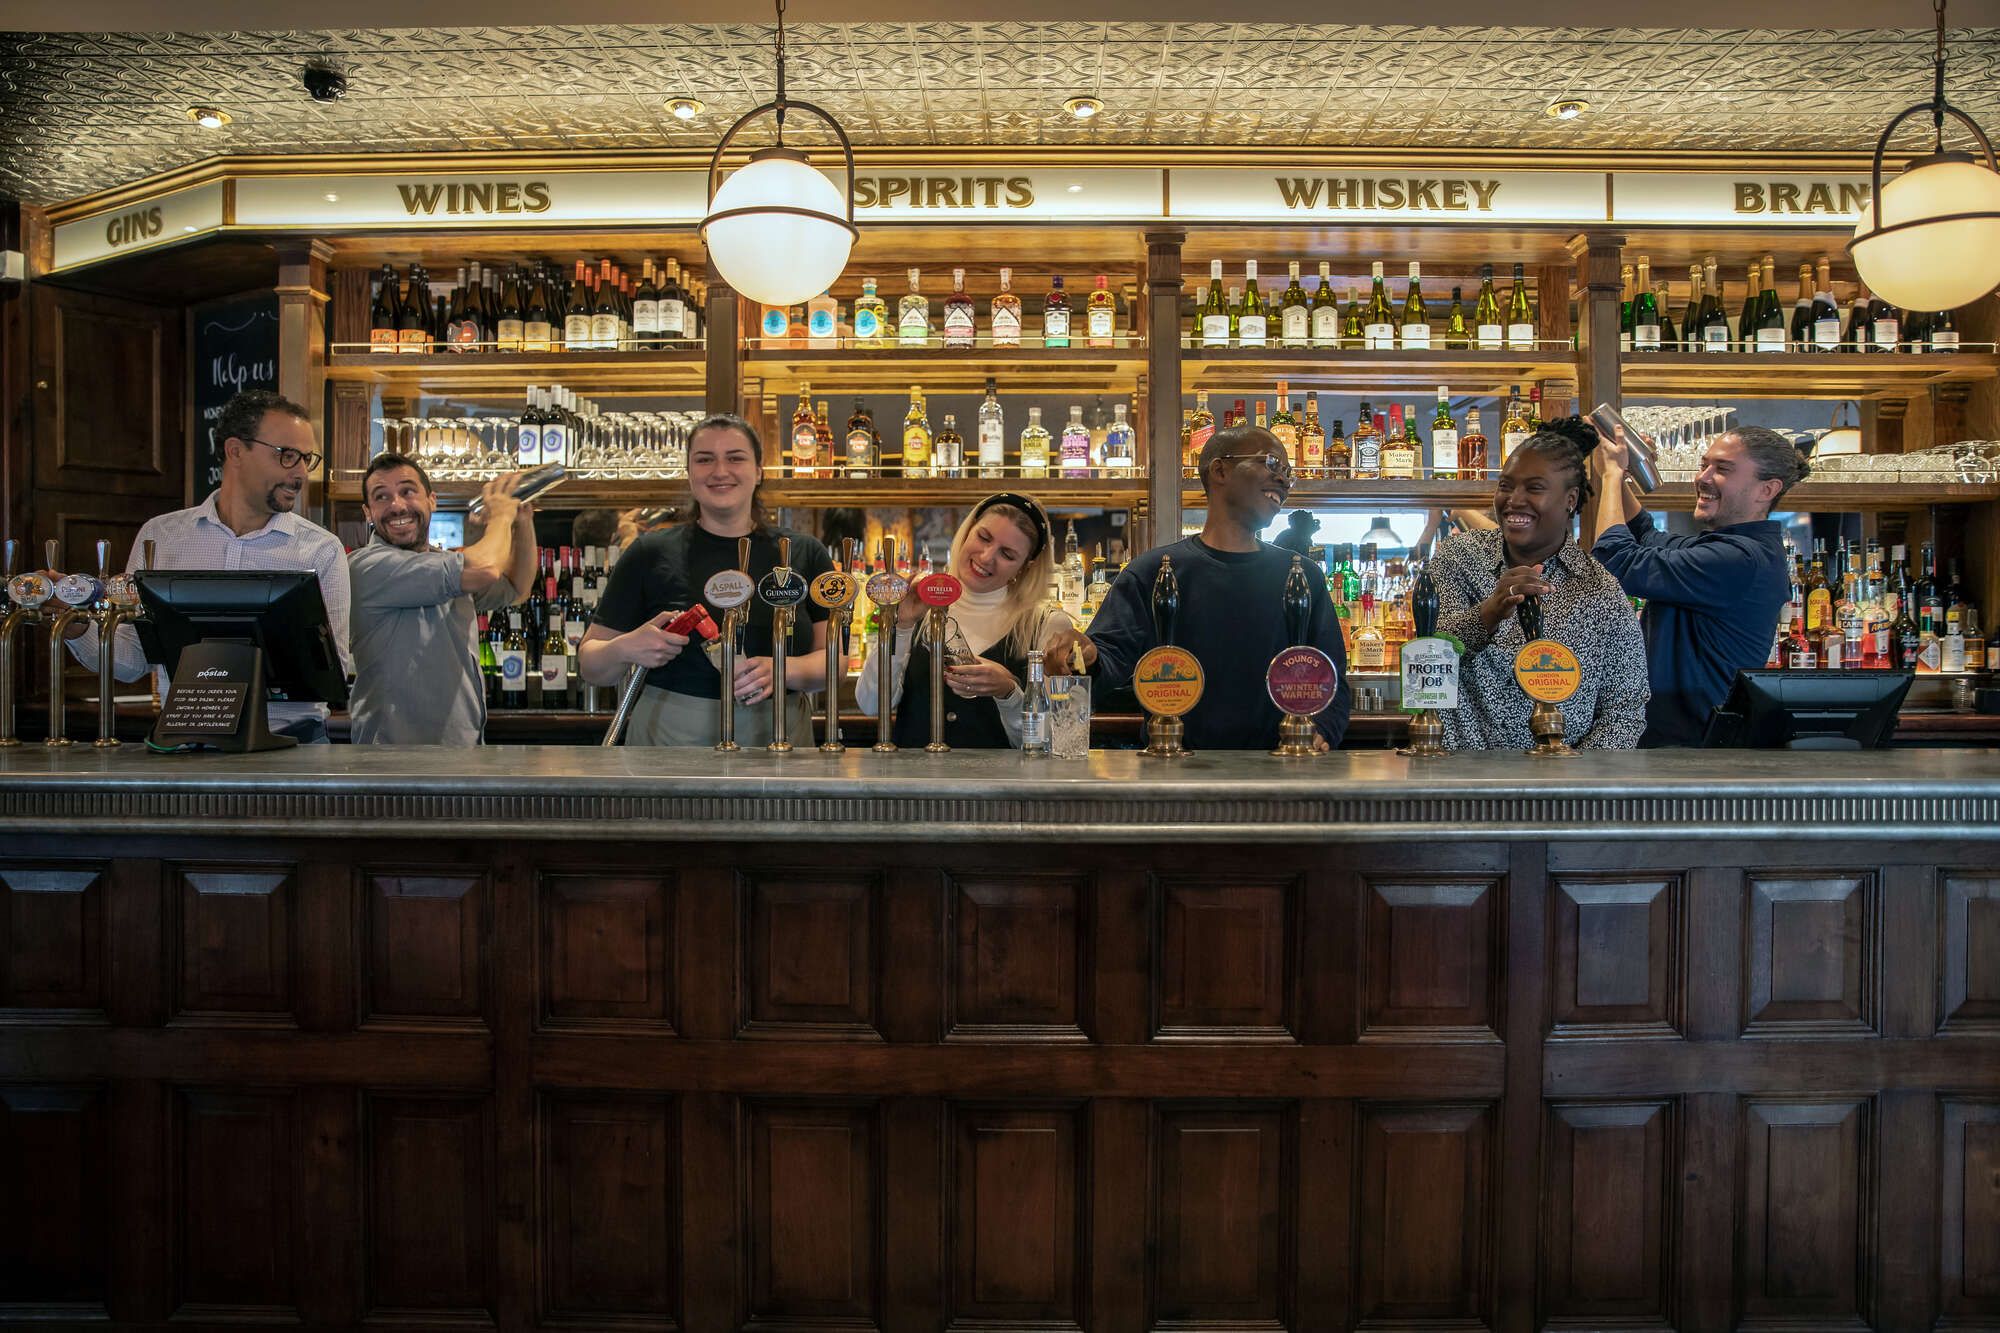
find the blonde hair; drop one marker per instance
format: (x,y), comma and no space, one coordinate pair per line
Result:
(1028,586)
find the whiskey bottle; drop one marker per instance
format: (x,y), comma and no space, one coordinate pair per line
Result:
(823,428)
(1312,442)
(862,459)
(1339,454)
(1367,445)
(1284,426)
(1201,425)
(1472,448)
(1399,459)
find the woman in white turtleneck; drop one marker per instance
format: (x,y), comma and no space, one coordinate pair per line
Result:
(1001,553)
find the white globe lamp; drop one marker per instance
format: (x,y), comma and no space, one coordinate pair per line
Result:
(778,231)
(1929,240)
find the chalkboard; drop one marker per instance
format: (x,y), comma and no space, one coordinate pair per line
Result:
(235,348)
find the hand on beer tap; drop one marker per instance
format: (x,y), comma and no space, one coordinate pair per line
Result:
(981,676)
(653,644)
(1515,586)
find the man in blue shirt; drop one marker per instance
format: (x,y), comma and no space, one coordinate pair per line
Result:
(1232,594)
(1712,600)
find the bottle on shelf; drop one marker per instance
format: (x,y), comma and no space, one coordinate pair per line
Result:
(1370,648)
(509,325)
(1311,455)
(1380,331)
(1284,425)
(1745,338)
(1213,322)
(607,322)
(1769,320)
(1885,325)
(1367,445)
(823,428)
(1324,326)
(558,425)
(1294,312)
(1005,312)
(871,317)
(805,436)
(863,451)
(1055,315)
(916,436)
(1490,330)
(823,321)
(1648,335)
(1520,315)
(1201,425)
(1416,323)
(1801,336)
(1669,336)
(576,313)
(1825,310)
(1120,446)
(1251,320)
(1940,333)
(1444,439)
(1235,316)
(528,433)
(1034,446)
(413,315)
(1100,315)
(1069,574)
(960,328)
(383,334)
(646,309)
(555,659)
(1691,314)
(1339,453)
(1472,448)
(1354,324)
(677,311)
(1457,337)
(1714,334)
(513,659)
(948,450)
(1819,593)
(1624,307)
(913,316)
(1399,459)
(1514,428)
(1858,334)
(992,434)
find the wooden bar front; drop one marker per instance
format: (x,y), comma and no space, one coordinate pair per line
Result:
(651,1040)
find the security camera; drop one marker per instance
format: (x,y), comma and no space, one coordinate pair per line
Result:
(325,85)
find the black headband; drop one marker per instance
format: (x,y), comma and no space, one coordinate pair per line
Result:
(1027,506)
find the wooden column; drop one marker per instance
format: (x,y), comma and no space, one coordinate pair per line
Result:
(1163,389)
(720,391)
(1553,328)
(1597,256)
(302,297)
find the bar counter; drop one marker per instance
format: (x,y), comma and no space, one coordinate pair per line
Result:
(645,1039)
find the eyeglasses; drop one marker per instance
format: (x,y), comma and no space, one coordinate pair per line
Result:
(287,456)
(1278,467)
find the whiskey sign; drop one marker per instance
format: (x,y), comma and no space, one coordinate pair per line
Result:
(1250,195)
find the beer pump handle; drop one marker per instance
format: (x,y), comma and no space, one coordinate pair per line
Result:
(149,552)
(12,553)
(1166,601)
(50,551)
(743,554)
(103,560)
(889,553)
(1529,613)
(1424,606)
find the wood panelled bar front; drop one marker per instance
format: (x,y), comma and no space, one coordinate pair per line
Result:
(549,1038)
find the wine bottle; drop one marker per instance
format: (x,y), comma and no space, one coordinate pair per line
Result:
(1769,319)
(1825,310)
(1457,337)
(1625,326)
(1416,320)
(1294,313)
(1715,323)
(1801,336)
(1444,439)
(1691,316)
(1520,316)
(1489,329)
(1325,311)
(1746,319)
(1381,328)
(1941,334)
(1251,321)
(382,313)
(1214,316)
(1647,335)
(1884,328)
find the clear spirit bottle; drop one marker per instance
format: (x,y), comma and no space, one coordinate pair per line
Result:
(913,317)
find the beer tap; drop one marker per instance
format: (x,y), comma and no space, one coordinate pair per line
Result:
(887,591)
(730,592)
(1165,732)
(938,592)
(1426,728)
(835,591)
(1295,730)
(118,606)
(79,595)
(782,590)
(25,594)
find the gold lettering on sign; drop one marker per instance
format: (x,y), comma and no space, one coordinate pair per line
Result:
(139,225)
(474,198)
(998,192)
(1818,197)
(1393,194)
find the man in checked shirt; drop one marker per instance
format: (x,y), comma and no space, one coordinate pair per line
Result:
(249,523)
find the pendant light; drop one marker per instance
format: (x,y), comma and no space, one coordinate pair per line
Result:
(777,230)
(1930,239)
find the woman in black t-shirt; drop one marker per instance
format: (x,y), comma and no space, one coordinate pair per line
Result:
(664,572)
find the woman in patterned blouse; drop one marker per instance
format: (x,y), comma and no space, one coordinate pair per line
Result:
(1483,576)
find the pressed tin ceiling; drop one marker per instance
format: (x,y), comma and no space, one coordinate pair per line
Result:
(81,112)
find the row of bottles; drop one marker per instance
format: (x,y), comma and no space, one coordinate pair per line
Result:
(528,653)
(1101,447)
(1856,612)
(1371,599)
(556,426)
(537,308)
(1241,316)
(956,325)
(1383,444)
(1813,323)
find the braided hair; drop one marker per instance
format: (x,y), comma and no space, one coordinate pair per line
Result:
(1566,444)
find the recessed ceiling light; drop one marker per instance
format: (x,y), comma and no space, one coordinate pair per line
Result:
(1076,189)
(208,117)
(1567,108)
(685,108)
(332,198)
(188,228)
(1083,108)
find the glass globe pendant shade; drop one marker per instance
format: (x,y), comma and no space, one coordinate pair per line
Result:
(777,230)
(1938,243)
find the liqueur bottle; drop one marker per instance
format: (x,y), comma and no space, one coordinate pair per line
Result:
(1006,312)
(913,316)
(959,325)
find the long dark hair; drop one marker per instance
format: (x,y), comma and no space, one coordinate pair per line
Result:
(760,517)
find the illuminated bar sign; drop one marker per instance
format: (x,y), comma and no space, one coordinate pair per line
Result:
(984,194)
(139,226)
(1752,198)
(1248,194)
(523,199)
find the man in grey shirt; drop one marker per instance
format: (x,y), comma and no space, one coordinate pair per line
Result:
(416,673)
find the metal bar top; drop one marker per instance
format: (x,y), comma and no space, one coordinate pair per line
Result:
(650,794)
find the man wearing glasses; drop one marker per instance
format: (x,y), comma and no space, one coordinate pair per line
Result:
(248,523)
(1232,612)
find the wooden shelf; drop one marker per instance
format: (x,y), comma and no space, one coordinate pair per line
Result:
(838,370)
(680,370)
(1818,496)
(1722,376)
(815,492)
(1486,374)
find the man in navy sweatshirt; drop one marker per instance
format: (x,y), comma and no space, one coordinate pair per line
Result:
(1232,613)
(1712,600)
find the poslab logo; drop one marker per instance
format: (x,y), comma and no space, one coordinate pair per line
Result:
(209,673)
